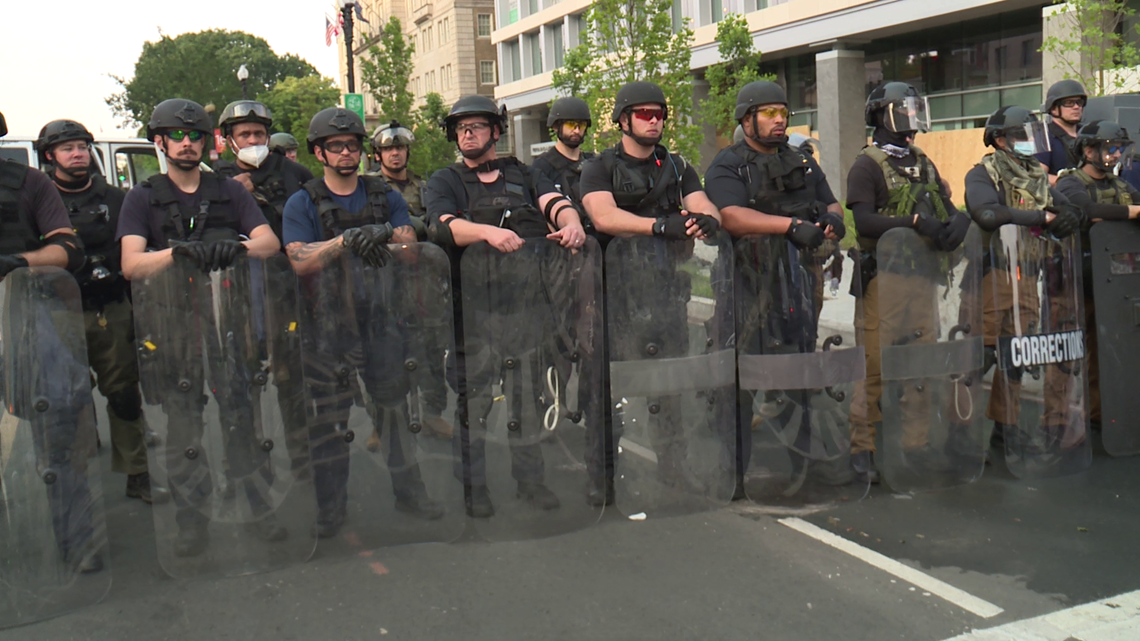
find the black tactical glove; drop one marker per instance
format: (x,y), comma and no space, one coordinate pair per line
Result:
(1066,220)
(671,227)
(195,250)
(707,224)
(836,222)
(955,232)
(805,235)
(11,262)
(378,234)
(932,228)
(223,253)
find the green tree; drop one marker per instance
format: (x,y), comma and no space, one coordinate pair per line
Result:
(629,40)
(385,72)
(739,65)
(293,102)
(432,150)
(1092,40)
(203,67)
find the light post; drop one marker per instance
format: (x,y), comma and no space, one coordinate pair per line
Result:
(346,7)
(243,75)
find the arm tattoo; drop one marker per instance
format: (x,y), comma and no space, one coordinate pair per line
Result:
(300,252)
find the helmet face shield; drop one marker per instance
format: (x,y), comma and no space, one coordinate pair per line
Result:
(1027,140)
(394,137)
(907,114)
(1114,153)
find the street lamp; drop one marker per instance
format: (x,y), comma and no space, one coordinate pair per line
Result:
(243,75)
(346,7)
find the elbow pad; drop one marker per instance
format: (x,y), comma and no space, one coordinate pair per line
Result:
(439,232)
(74,248)
(991,218)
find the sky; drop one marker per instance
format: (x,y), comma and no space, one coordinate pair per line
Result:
(57,55)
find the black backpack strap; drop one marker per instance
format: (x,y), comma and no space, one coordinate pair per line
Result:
(162,196)
(376,189)
(326,206)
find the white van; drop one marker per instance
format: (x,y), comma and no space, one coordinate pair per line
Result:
(129,160)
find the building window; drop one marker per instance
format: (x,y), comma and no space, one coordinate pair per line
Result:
(428,40)
(487,72)
(558,44)
(484,24)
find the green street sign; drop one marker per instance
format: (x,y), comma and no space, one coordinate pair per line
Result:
(355,102)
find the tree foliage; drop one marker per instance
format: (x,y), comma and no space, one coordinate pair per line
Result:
(630,40)
(739,65)
(202,67)
(1096,42)
(294,102)
(432,150)
(385,72)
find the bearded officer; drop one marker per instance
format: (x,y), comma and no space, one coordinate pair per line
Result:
(562,164)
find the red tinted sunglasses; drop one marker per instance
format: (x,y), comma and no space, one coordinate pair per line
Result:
(650,113)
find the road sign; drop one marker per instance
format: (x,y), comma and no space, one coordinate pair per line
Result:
(355,102)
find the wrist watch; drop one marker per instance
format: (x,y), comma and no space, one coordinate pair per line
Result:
(659,226)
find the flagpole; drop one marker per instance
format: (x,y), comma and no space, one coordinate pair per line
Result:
(346,13)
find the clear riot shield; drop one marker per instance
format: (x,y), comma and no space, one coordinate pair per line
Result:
(532,338)
(53,537)
(209,345)
(672,373)
(798,363)
(1116,292)
(375,343)
(1039,387)
(931,343)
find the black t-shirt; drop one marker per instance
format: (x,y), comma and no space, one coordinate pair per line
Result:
(40,197)
(544,165)
(1078,193)
(595,177)
(726,184)
(867,193)
(136,218)
(440,197)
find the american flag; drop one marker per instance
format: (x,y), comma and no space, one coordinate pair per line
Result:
(332,30)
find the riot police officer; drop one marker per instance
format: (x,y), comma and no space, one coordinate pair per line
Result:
(1010,187)
(1065,103)
(562,164)
(64,146)
(892,183)
(498,201)
(344,211)
(209,221)
(38,233)
(1102,196)
(391,148)
(639,188)
(762,185)
(284,144)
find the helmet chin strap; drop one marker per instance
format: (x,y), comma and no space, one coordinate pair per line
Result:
(766,141)
(76,174)
(568,141)
(184,165)
(478,153)
(641,140)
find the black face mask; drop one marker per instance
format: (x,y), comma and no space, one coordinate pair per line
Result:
(882,136)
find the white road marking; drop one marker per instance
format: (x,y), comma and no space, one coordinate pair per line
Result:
(1114,619)
(943,590)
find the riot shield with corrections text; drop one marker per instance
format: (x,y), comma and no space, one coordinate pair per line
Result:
(798,365)
(207,343)
(532,338)
(1116,291)
(672,373)
(375,341)
(931,343)
(1039,377)
(53,538)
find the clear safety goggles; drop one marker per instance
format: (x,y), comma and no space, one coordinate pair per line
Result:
(394,137)
(1029,139)
(243,110)
(907,114)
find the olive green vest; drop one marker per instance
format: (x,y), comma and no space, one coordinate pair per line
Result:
(905,190)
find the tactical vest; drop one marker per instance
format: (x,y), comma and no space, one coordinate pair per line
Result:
(569,172)
(508,202)
(1116,193)
(214,212)
(17,227)
(92,217)
(777,183)
(414,196)
(634,187)
(905,189)
(272,187)
(1069,142)
(335,220)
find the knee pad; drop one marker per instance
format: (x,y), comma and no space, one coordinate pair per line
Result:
(126,403)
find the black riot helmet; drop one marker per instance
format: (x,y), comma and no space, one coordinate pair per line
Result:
(475,105)
(754,94)
(244,111)
(1024,132)
(1109,140)
(282,142)
(638,93)
(58,131)
(1058,91)
(333,122)
(568,108)
(179,113)
(891,94)
(3,126)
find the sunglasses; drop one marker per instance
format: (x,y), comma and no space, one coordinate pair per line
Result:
(576,124)
(649,114)
(337,146)
(178,135)
(1072,102)
(1115,148)
(772,112)
(472,128)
